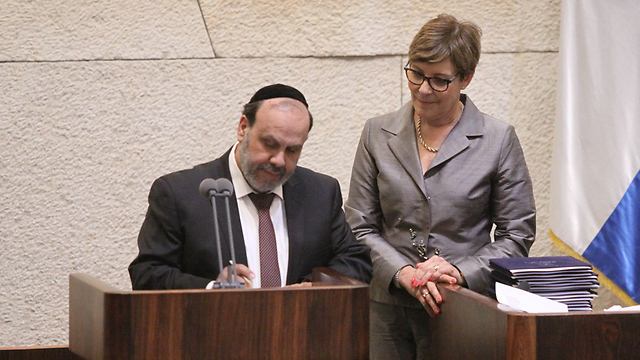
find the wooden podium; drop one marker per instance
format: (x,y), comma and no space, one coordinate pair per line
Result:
(472,326)
(329,320)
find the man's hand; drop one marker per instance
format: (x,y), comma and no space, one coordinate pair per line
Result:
(302,284)
(245,275)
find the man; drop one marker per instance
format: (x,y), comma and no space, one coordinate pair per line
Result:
(177,242)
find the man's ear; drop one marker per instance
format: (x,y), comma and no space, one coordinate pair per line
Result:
(243,127)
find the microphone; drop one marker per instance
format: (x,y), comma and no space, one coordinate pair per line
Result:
(225,186)
(210,189)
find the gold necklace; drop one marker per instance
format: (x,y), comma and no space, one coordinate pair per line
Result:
(429,148)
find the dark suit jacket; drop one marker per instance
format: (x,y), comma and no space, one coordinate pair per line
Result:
(177,242)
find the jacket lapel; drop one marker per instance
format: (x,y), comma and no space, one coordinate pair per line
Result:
(403,144)
(470,125)
(295,225)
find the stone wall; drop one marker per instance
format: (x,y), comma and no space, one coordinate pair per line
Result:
(99,98)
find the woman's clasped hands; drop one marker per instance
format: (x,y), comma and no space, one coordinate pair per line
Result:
(421,281)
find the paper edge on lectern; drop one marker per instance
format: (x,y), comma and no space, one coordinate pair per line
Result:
(620,308)
(527,301)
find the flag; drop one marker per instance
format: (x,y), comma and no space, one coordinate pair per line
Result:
(595,180)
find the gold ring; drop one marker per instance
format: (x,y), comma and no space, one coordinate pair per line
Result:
(436,268)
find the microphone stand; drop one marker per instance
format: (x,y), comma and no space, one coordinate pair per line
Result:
(235,283)
(223,282)
(226,189)
(212,189)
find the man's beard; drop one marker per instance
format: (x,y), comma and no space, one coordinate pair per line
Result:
(250,170)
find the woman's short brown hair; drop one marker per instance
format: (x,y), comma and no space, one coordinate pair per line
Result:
(444,36)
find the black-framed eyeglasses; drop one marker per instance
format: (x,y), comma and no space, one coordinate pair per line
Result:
(436,83)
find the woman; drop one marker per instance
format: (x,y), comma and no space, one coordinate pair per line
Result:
(428,183)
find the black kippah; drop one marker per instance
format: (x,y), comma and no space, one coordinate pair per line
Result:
(278,91)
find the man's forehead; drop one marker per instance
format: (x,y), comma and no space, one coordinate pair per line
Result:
(285,124)
(283,104)
(282,112)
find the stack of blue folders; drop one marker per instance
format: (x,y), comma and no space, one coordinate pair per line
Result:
(561,278)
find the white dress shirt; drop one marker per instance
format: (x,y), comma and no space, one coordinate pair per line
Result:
(249,222)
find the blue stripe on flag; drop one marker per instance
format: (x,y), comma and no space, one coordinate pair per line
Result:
(616,249)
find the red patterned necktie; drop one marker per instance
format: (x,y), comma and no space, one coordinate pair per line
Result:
(269,269)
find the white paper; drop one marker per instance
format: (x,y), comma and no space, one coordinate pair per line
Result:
(620,308)
(526,301)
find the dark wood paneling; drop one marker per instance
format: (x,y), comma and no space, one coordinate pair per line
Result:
(597,336)
(318,322)
(38,353)
(521,337)
(460,330)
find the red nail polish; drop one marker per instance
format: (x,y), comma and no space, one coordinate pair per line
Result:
(413,279)
(439,300)
(431,278)
(453,281)
(421,283)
